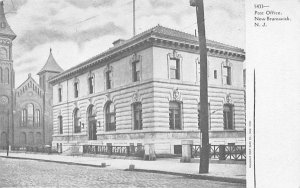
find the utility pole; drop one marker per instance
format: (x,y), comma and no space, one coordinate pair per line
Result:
(133,17)
(205,149)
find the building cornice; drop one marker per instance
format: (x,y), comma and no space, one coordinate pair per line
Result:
(150,39)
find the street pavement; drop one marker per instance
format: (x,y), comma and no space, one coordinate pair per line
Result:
(235,173)
(32,173)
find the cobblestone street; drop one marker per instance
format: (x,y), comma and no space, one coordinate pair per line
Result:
(20,173)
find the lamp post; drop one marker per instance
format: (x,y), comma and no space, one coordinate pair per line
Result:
(205,149)
(7,137)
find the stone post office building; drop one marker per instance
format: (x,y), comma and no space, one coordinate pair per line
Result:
(146,90)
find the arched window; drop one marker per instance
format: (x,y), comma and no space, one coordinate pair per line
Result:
(228,116)
(38,138)
(22,139)
(30,138)
(110,115)
(60,124)
(137,116)
(1,75)
(77,127)
(3,139)
(24,117)
(30,114)
(175,115)
(6,76)
(37,118)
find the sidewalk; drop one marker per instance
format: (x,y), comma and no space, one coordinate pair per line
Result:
(234,173)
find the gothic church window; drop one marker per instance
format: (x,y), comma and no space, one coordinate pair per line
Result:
(37,118)
(6,76)
(3,53)
(1,75)
(30,114)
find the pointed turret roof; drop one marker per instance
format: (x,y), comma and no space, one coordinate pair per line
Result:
(51,65)
(4,27)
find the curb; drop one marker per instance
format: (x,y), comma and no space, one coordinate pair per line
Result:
(60,162)
(194,176)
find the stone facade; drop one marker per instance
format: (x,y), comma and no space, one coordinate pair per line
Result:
(146,90)
(6,81)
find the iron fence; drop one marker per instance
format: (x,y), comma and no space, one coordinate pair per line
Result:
(114,150)
(223,152)
(38,149)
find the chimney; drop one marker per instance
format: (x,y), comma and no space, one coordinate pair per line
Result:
(118,42)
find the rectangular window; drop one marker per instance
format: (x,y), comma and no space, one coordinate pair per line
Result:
(244,77)
(174,116)
(60,124)
(137,115)
(174,69)
(108,80)
(76,89)
(91,85)
(227,75)
(228,116)
(59,95)
(136,71)
(110,117)
(215,74)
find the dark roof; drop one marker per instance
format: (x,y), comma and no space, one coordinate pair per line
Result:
(182,36)
(158,32)
(4,27)
(51,65)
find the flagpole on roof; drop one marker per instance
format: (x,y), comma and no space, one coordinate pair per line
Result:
(133,14)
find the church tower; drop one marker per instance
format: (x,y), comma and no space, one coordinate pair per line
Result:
(50,69)
(7,80)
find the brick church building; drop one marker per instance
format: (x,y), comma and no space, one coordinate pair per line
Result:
(25,111)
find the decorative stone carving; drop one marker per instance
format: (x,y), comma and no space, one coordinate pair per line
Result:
(136,97)
(227,63)
(107,97)
(175,55)
(228,98)
(3,100)
(135,58)
(175,95)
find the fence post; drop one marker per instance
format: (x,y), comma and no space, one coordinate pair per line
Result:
(222,154)
(186,150)
(131,148)
(127,150)
(109,148)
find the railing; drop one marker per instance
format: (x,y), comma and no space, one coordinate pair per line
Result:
(3,147)
(39,149)
(223,152)
(114,150)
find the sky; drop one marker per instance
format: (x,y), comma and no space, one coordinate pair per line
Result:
(77,30)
